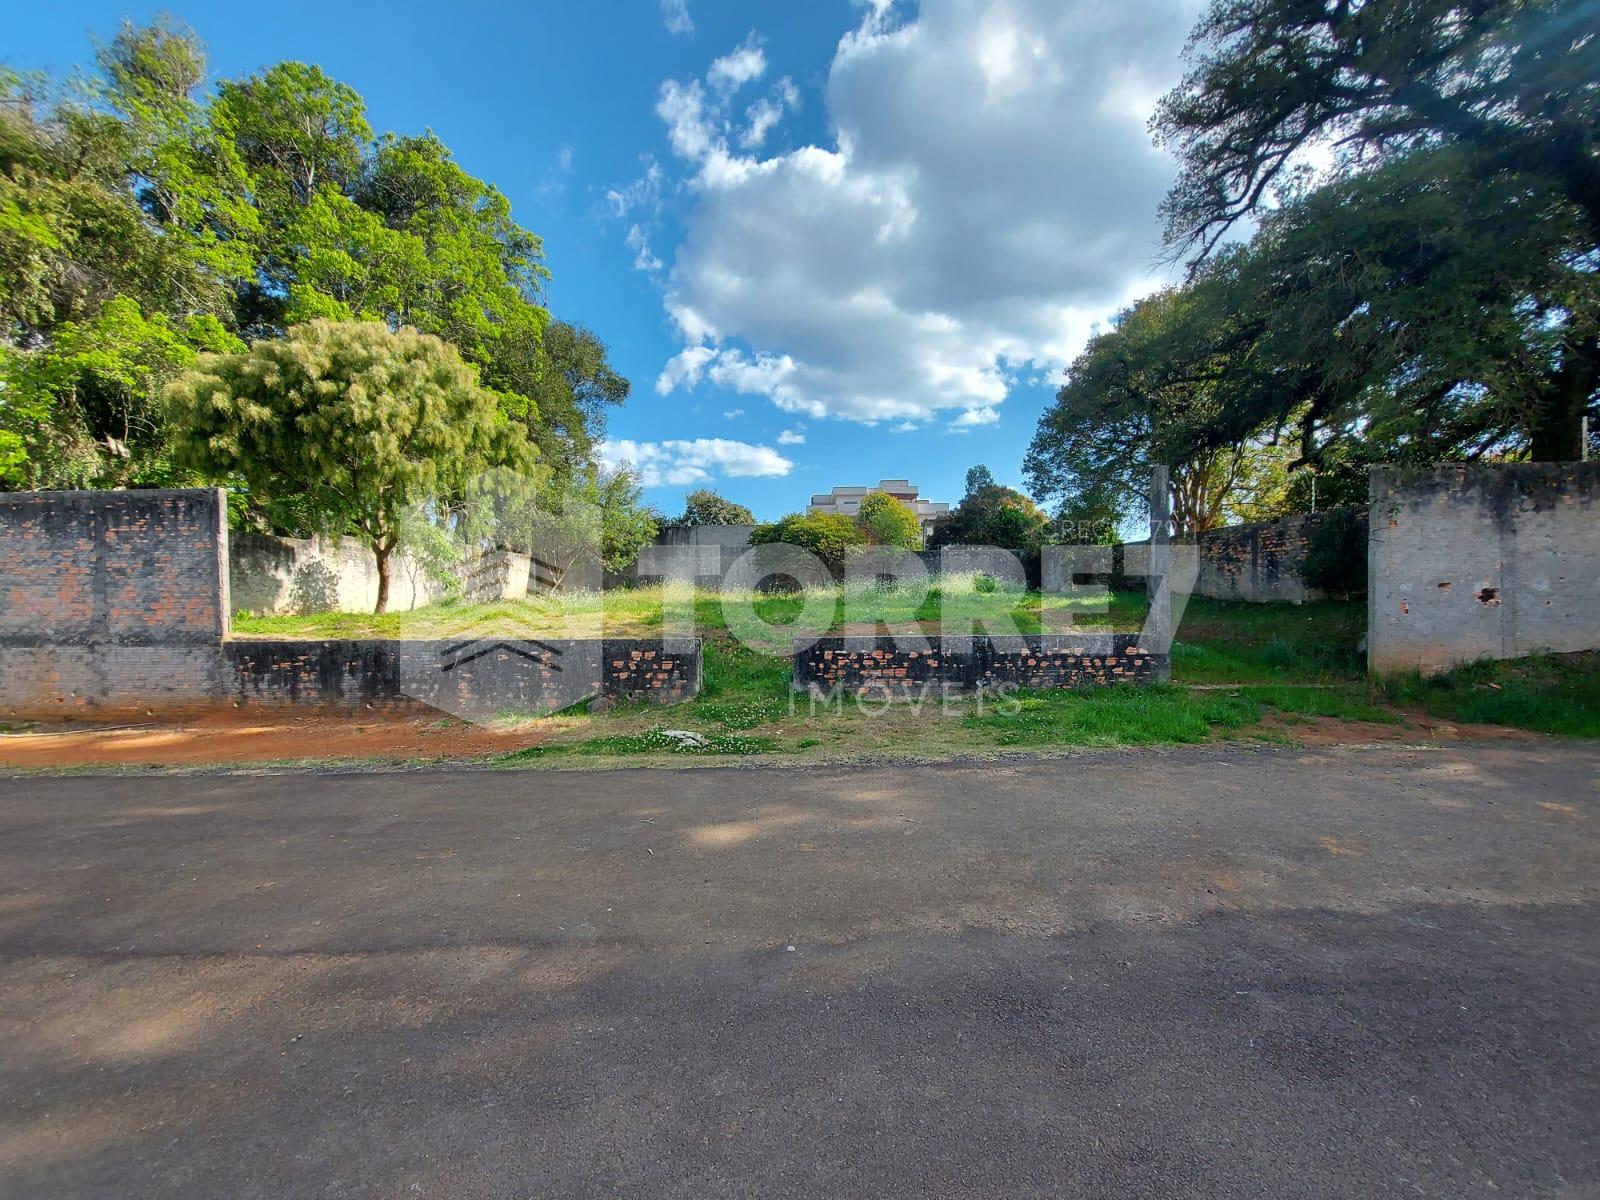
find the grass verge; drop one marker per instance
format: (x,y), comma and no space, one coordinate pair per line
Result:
(1558,694)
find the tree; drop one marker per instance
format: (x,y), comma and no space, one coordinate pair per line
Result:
(626,525)
(705,507)
(992,516)
(830,536)
(264,204)
(978,478)
(890,522)
(1439,99)
(83,409)
(574,386)
(1148,392)
(361,422)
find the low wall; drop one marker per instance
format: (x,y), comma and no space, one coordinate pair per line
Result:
(878,665)
(114,600)
(117,603)
(1476,562)
(471,679)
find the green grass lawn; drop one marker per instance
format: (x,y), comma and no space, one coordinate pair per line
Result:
(1239,671)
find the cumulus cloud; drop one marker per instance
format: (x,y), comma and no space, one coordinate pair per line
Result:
(675,16)
(791,437)
(695,461)
(987,195)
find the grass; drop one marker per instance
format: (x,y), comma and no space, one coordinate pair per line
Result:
(1554,694)
(1239,671)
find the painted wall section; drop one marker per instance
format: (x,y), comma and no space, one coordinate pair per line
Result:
(1478,562)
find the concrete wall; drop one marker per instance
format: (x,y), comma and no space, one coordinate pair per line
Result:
(111,600)
(1482,562)
(304,575)
(729,541)
(878,666)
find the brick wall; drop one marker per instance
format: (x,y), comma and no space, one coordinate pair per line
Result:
(1258,562)
(111,600)
(878,665)
(478,679)
(1479,562)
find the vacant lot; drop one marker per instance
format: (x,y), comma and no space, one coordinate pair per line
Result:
(1262,673)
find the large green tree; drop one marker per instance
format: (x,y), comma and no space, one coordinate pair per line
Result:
(991,515)
(262,204)
(1479,122)
(361,422)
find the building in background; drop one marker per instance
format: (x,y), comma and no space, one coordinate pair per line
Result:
(846,501)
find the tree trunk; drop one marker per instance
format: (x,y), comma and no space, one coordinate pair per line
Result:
(381,552)
(1556,434)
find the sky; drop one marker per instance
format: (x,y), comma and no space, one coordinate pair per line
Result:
(829,242)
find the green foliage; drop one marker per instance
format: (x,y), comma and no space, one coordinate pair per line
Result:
(830,536)
(360,422)
(262,205)
(890,522)
(1438,295)
(992,516)
(83,410)
(626,524)
(705,507)
(1134,399)
(978,478)
(1336,554)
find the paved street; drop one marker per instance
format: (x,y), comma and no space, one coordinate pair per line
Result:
(1218,972)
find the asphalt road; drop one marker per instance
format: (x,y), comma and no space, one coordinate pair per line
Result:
(1208,973)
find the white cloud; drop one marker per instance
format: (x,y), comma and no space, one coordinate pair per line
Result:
(791,437)
(684,368)
(973,417)
(675,16)
(732,414)
(691,123)
(738,67)
(766,112)
(643,193)
(684,462)
(988,194)
(643,258)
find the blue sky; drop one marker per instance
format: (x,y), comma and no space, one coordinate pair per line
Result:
(828,242)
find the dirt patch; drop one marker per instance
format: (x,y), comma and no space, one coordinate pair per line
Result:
(257,737)
(1335,731)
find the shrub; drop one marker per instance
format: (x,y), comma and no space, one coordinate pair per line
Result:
(890,522)
(1335,561)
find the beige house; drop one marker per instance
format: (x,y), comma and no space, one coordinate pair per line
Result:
(846,501)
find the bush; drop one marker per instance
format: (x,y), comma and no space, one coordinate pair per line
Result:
(890,522)
(829,536)
(1335,561)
